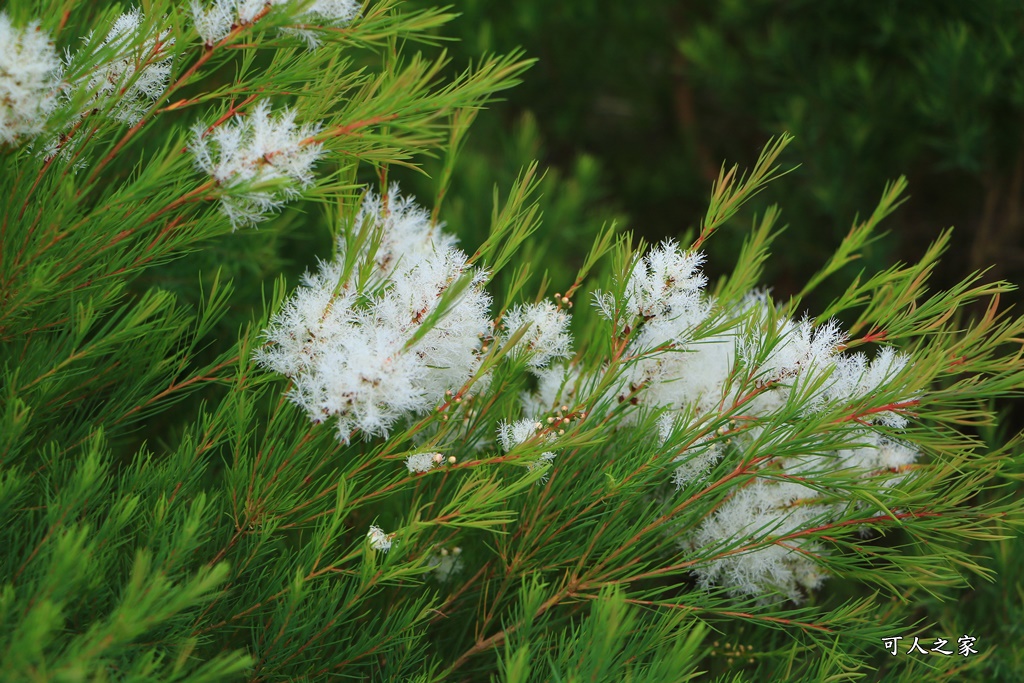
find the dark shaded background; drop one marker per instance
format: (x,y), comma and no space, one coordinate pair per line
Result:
(659,93)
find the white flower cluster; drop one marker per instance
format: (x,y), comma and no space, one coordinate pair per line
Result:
(29,80)
(556,385)
(693,375)
(774,514)
(348,346)
(665,302)
(698,459)
(260,149)
(547,338)
(406,232)
(213,23)
(33,83)
(380,541)
(511,434)
(121,78)
(758,510)
(423,462)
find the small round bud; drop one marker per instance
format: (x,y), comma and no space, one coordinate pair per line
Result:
(561,432)
(550,420)
(565,420)
(564,409)
(452,460)
(444,552)
(437,458)
(457,550)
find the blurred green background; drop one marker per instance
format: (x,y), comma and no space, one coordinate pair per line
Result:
(633,107)
(638,104)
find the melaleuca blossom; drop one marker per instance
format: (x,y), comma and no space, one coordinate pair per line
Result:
(784,356)
(663,304)
(261,148)
(764,508)
(856,377)
(379,541)
(135,76)
(406,231)
(417,463)
(214,22)
(512,434)
(546,339)
(347,346)
(29,80)
(691,357)
(698,459)
(878,454)
(557,385)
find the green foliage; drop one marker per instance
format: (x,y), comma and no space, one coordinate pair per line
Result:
(169,515)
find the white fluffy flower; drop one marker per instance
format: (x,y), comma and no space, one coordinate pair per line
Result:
(694,377)
(757,513)
(556,386)
(666,290)
(799,346)
(380,541)
(423,462)
(665,299)
(511,434)
(855,377)
(213,23)
(548,336)
(29,79)
(407,234)
(253,150)
(774,359)
(121,79)
(347,346)
(878,454)
(696,460)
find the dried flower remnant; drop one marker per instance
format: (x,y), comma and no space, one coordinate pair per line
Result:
(258,149)
(29,80)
